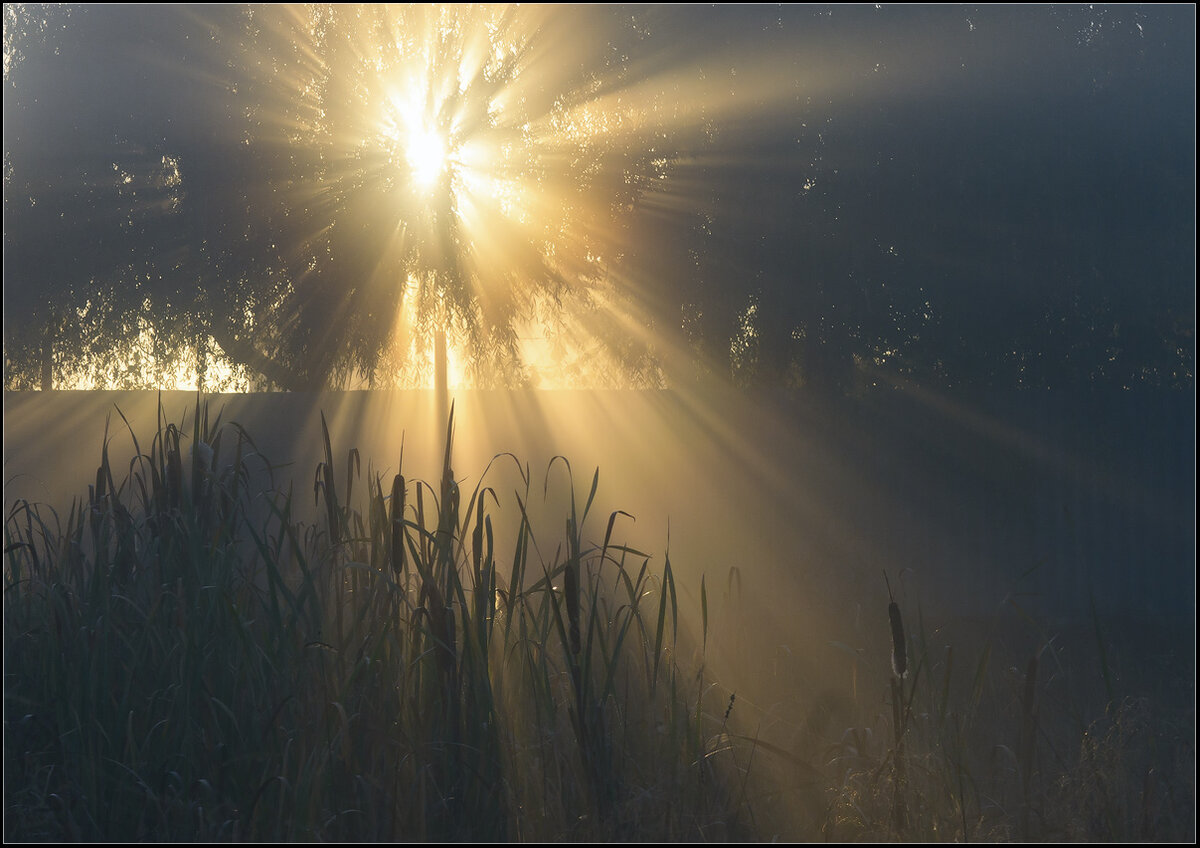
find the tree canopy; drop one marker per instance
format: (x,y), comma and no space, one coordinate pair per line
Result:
(227,196)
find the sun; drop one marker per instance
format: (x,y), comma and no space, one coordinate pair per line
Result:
(419,145)
(497,177)
(428,156)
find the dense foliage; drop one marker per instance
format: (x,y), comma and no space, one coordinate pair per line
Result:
(785,196)
(186,662)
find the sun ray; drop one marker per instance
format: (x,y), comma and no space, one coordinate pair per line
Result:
(504,155)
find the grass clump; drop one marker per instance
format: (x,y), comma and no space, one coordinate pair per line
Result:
(193,653)
(187,658)
(944,738)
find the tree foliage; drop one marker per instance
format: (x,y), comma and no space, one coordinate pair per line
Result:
(795,196)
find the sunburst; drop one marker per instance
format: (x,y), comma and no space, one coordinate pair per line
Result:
(502,168)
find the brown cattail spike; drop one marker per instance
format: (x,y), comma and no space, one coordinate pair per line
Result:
(899,655)
(899,652)
(571,587)
(398,523)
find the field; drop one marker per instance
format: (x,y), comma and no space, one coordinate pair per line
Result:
(628,616)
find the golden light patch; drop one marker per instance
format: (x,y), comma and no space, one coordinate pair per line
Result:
(427,155)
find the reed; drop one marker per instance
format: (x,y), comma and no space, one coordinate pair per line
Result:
(186,661)
(899,713)
(194,653)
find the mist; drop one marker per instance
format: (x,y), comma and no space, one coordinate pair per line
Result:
(637,423)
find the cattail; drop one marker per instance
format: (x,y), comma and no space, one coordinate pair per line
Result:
(899,653)
(447,519)
(202,455)
(899,656)
(571,587)
(201,471)
(398,524)
(174,467)
(477,543)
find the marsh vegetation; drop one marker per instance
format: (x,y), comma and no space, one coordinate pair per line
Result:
(344,654)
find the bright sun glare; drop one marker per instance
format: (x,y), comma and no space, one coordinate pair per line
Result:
(428,156)
(491,153)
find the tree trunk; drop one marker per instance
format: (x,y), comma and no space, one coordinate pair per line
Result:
(48,360)
(448,277)
(441,389)
(201,360)
(245,353)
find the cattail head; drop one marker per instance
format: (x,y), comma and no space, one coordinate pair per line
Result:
(174,467)
(571,587)
(398,523)
(899,653)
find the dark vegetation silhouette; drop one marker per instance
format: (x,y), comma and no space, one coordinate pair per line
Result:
(190,656)
(1009,226)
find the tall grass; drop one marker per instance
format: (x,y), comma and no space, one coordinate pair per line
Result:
(969,734)
(194,653)
(187,659)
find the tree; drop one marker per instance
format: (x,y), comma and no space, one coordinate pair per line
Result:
(237,186)
(296,240)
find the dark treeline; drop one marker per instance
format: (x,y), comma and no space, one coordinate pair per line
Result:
(997,196)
